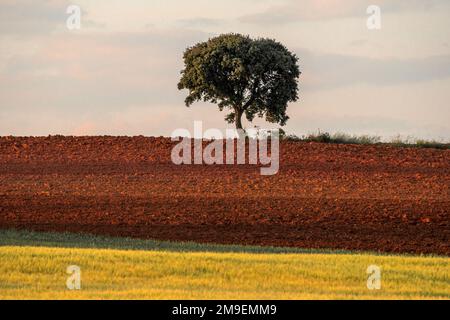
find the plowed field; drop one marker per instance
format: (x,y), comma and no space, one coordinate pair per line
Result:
(355,197)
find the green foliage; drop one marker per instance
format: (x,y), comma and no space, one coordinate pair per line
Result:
(432,144)
(343,138)
(81,240)
(255,77)
(409,141)
(323,137)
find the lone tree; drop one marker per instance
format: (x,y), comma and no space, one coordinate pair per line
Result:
(247,76)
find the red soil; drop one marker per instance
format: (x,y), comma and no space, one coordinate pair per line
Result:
(325,196)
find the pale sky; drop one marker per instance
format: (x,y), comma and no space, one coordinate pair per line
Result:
(118,74)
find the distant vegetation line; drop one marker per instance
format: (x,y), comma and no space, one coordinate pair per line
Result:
(344,138)
(321,137)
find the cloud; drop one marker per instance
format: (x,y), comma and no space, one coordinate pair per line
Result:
(95,72)
(31,17)
(295,11)
(328,71)
(199,23)
(37,17)
(358,43)
(111,71)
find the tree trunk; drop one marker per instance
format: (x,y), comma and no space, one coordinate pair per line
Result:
(238,118)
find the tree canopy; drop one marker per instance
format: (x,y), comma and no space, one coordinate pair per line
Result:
(255,77)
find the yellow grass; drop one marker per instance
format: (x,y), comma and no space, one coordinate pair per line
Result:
(31,272)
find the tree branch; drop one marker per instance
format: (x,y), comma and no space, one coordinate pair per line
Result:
(253,95)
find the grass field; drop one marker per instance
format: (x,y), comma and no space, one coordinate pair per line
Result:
(33,266)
